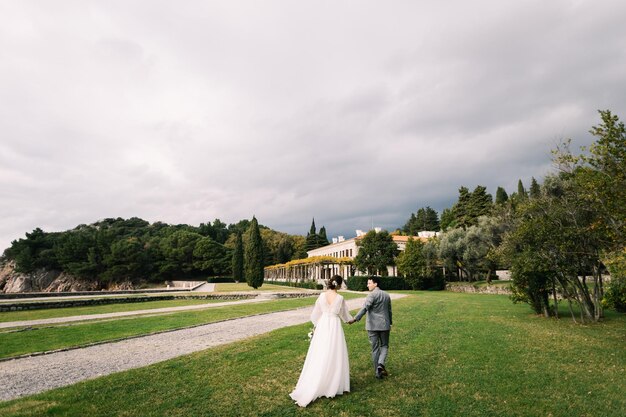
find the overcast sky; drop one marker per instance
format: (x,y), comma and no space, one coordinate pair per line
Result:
(352,112)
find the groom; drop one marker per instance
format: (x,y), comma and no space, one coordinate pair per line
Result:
(378,323)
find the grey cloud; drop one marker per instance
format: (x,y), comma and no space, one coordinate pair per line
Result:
(188,112)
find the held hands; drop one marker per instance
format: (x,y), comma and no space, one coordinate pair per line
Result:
(352,321)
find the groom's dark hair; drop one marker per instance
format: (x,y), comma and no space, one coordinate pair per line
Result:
(375,279)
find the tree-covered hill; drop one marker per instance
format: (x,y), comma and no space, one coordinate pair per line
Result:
(114,250)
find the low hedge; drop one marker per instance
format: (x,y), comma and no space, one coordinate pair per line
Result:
(216,280)
(359,283)
(311,285)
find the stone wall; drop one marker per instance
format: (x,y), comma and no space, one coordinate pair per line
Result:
(483,289)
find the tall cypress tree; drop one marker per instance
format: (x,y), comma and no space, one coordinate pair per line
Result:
(501,196)
(311,238)
(253,255)
(237,261)
(521,191)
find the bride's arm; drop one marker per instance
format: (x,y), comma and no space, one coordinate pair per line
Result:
(344,313)
(316,313)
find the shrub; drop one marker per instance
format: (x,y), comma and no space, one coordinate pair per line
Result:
(215,280)
(615,295)
(358,283)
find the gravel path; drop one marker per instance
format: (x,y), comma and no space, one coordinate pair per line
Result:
(26,376)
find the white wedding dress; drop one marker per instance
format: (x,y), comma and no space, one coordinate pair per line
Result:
(326,370)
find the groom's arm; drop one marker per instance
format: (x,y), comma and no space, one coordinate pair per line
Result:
(368,304)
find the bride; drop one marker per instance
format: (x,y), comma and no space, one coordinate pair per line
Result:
(326,370)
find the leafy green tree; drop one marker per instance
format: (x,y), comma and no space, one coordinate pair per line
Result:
(285,250)
(217,231)
(615,295)
(237,260)
(240,227)
(75,252)
(34,251)
(377,250)
(451,250)
(299,247)
(413,265)
(211,257)
(176,253)
(482,242)
(553,243)
(501,196)
(253,256)
(127,261)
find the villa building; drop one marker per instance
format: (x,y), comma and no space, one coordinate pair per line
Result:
(334,259)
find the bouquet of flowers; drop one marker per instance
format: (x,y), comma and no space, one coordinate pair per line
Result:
(310,334)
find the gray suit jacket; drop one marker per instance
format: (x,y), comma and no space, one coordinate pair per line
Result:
(378,308)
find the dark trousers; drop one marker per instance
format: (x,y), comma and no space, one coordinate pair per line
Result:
(379,340)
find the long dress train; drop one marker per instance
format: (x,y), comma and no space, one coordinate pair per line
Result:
(326,370)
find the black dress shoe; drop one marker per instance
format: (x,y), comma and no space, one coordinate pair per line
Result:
(381,370)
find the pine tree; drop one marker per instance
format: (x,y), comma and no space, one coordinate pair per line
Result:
(447,219)
(535,190)
(253,255)
(431,220)
(480,204)
(408,226)
(462,208)
(322,239)
(237,261)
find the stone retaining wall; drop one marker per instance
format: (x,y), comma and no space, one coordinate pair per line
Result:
(485,289)
(10,296)
(101,301)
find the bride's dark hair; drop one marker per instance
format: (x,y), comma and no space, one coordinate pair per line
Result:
(335,282)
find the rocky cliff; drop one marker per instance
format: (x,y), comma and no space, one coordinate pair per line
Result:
(40,281)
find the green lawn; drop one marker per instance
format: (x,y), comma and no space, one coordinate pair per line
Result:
(101,309)
(50,337)
(450,355)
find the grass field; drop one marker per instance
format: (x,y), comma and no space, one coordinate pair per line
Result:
(50,337)
(450,355)
(101,309)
